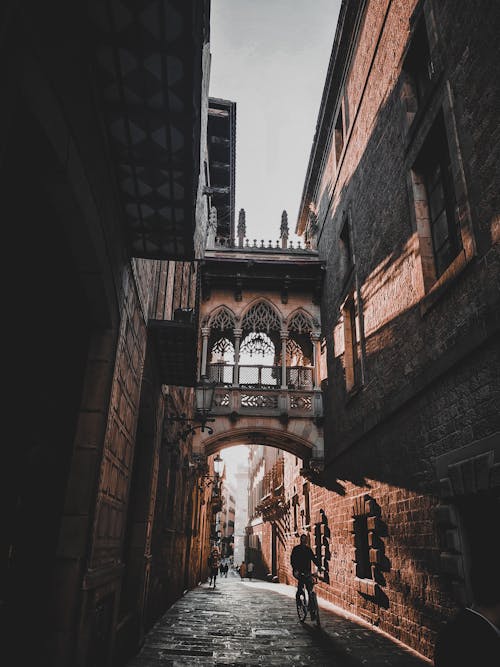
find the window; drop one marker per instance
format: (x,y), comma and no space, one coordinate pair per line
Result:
(339,135)
(346,256)
(295,502)
(307,509)
(418,67)
(363,568)
(351,356)
(367,529)
(435,204)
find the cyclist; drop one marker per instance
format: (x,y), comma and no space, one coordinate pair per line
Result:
(301,558)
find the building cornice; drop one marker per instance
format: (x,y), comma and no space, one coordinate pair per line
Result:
(348,23)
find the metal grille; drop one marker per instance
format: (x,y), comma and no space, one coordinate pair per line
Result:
(260,376)
(221,373)
(299,376)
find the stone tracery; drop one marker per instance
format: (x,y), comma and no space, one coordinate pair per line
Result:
(287,343)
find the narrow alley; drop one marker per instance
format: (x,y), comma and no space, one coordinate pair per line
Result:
(252,303)
(255,623)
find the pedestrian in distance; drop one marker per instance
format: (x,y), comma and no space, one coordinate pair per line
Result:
(250,570)
(472,636)
(213,566)
(226,570)
(243,570)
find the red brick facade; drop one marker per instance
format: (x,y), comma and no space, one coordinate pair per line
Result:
(412,440)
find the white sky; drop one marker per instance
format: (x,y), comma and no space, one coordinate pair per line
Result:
(271,58)
(233,457)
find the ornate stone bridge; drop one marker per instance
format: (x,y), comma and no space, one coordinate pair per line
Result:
(261,343)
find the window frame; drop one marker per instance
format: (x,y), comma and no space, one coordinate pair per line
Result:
(432,285)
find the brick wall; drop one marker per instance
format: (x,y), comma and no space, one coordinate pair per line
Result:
(426,396)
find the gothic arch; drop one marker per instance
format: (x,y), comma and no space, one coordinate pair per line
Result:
(222,318)
(262,318)
(301,321)
(269,437)
(261,315)
(300,325)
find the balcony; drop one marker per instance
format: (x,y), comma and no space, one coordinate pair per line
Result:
(273,505)
(172,328)
(258,390)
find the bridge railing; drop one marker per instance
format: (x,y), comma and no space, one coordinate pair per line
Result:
(258,391)
(260,376)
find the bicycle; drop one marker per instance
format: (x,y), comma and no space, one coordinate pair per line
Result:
(306,598)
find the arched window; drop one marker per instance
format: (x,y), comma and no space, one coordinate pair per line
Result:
(261,326)
(300,323)
(299,345)
(261,317)
(223,320)
(221,346)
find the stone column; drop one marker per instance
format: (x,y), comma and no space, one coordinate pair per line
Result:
(316,341)
(205,332)
(237,339)
(284,338)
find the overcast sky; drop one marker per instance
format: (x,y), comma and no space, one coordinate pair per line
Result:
(271,57)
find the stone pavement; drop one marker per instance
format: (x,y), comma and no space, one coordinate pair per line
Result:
(255,623)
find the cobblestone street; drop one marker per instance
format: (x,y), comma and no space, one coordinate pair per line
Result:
(255,623)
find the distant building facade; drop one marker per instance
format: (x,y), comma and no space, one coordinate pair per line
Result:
(241,512)
(221,140)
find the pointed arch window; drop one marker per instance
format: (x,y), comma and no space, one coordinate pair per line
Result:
(261,317)
(300,323)
(223,320)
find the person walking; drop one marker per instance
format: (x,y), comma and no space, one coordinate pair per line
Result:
(243,570)
(213,566)
(250,570)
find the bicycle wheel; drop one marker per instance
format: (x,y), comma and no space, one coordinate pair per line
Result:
(301,601)
(314,611)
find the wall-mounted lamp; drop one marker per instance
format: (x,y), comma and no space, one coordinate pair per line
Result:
(218,465)
(204,396)
(213,479)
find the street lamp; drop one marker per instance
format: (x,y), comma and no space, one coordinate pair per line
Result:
(208,480)
(204,396)
(218,464)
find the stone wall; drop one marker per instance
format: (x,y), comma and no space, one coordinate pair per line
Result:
(412,445)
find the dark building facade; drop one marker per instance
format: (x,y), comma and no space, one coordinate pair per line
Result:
(102,136)
(221,138)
